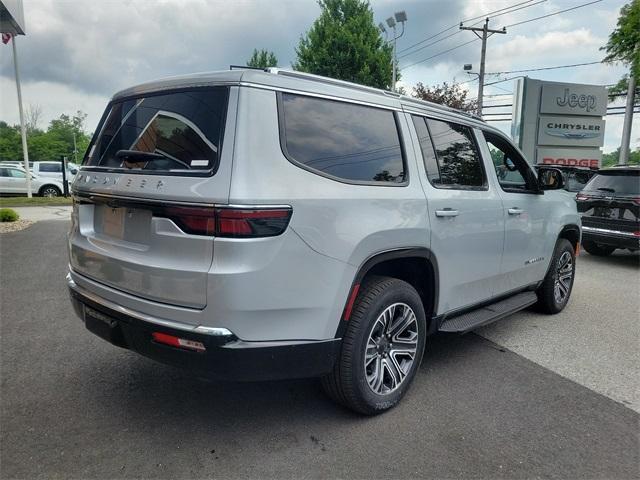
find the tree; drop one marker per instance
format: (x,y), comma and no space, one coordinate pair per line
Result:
(453,96)
(610,159)
(57,141)
(624,44)
(345,43)
(33,114)
(262,59)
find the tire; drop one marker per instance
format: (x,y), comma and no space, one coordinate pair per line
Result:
(50,191)
(598,249)
(363,376)
(554,293)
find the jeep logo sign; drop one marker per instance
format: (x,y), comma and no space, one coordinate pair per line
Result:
(574,100)
(568,99)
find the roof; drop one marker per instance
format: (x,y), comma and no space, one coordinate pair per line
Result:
(296,81)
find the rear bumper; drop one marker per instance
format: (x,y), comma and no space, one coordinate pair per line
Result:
(226,357)
(614,238)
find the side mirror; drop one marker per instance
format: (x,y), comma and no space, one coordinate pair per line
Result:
(550,178)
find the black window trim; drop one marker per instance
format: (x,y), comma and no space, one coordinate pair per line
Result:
(533,177)
(484,187)
(283,144)
(174,173)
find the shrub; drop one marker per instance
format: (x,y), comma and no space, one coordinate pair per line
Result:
(8,215)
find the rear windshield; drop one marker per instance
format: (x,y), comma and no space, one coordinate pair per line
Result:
(615,182)
(177,132)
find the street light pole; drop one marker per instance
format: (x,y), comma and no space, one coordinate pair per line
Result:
(398,17)
(394,61)
(23,129)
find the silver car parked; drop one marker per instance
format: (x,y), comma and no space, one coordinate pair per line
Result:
(254,225)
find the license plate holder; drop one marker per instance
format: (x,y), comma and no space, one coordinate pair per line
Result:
(113,221)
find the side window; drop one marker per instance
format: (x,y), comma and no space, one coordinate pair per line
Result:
(17,173)
(4,172)
(50,167)
(513,172)
(428,153)
(457,156)
(346,141)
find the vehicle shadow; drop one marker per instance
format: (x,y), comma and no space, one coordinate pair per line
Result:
(142,385)
(621,258)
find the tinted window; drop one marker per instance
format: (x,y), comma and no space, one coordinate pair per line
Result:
(4,172)
(428,154)
(347,141)
(185,128)
(457,155)
(615,182)
(512,170)
(50,167)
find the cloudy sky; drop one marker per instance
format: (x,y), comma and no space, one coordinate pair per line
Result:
(78,53)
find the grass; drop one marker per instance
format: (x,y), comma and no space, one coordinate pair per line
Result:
(34,201)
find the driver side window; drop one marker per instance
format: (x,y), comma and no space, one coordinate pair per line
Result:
(513,172)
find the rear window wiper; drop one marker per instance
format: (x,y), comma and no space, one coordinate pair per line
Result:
(139,156)
(605,189)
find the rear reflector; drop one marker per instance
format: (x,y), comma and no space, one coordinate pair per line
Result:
(178,342)
(228,222)
(351,301)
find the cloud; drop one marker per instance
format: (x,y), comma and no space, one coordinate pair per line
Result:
(78,53)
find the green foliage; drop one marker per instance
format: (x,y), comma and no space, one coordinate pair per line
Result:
(262,59)
(51,144)
(345,43)
(34,201)
(8,215)
(610,159)
(453,96)
(624,42)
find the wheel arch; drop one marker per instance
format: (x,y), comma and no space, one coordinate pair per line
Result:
(404,264)
(571,232)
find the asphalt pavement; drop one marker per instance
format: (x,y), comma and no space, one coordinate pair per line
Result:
(73,406)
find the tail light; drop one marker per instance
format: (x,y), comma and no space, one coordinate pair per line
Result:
(229,222)
(580,197)
(636,200)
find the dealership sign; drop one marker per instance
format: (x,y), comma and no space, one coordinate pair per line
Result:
(559,123)
(571,157)
(571,131)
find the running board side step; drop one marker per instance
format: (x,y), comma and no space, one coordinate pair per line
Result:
(483,316)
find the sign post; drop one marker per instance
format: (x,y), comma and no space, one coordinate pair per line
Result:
(65,182)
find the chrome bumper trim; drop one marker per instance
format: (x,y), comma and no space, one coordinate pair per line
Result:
(609,232)
(83,292)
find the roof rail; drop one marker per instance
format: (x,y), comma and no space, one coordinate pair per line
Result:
(246,67)
(365,88)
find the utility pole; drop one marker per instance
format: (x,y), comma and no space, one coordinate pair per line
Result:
(623,159)
(485,33)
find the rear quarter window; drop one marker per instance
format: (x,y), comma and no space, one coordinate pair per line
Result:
(616,183)
(183,127)
(343,141)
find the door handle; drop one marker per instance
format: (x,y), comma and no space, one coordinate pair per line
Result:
(447,212)
(515,211)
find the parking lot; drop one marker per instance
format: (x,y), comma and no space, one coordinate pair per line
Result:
(532,396)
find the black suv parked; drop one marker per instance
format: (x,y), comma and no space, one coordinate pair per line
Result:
(610,208)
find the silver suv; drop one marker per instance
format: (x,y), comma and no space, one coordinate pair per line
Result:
(253,225)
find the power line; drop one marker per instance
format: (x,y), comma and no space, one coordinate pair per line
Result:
(441,53)
(489,14)
(544,68)
(554,13)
